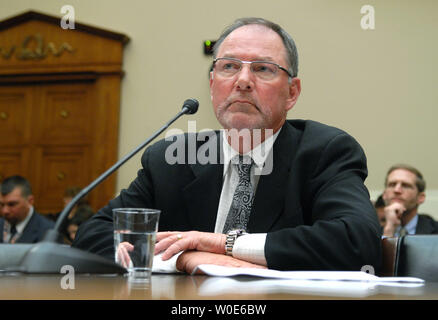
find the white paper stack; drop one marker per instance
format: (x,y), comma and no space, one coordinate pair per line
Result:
(328,283)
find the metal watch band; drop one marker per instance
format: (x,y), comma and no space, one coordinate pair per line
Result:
(232,235)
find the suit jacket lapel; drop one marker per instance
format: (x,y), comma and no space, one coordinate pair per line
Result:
(270,194)
(423,226)
(202,195)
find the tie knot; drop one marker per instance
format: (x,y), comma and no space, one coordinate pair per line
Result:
(244,164)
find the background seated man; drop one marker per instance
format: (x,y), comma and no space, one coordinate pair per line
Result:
(81,212)
(404,192)
(20,223)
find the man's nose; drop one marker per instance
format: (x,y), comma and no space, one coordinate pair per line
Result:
(244,79)
(398,188)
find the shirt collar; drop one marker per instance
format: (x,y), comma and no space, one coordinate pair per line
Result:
(258,154)
(21,225)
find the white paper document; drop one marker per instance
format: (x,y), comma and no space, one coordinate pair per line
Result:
(220,271)
(353,284)
(227,285)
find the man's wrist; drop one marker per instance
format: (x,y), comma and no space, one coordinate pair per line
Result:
(389,230)
(222,244)
(230,240)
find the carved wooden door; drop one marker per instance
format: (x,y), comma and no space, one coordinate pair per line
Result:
(59,106)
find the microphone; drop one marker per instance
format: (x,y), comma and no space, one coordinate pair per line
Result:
(191,105)
(50,255)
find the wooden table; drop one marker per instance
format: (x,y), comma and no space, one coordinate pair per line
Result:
(185,287)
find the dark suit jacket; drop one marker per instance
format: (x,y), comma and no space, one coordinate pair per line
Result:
(34,230)
(426,225)
(313,206)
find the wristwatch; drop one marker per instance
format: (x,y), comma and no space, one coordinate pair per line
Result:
(232,235)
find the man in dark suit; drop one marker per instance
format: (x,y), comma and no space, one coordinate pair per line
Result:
(263,192)
(404,193)
(20,223)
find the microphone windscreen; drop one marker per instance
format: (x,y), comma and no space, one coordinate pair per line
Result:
(191,106)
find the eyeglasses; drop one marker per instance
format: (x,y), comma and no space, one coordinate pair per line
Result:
(228,67)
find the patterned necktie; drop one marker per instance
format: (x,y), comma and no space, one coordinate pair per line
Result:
(12,232)
(243,197)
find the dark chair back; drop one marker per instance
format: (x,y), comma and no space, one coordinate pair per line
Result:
(389,254)
(417,256)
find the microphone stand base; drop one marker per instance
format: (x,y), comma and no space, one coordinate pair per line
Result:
(48,258)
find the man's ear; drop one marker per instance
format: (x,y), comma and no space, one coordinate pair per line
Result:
(421,198)
(294,93)
(30,199)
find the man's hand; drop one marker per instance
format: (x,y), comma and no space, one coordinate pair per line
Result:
(123,257)
(393,215)
(173,242)
(189,260)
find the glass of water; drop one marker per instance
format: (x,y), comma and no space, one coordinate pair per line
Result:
(135,231)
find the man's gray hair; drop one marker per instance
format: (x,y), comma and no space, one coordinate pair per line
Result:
(289,43)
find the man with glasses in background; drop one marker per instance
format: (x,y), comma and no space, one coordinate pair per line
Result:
(287,194)
(404,192)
